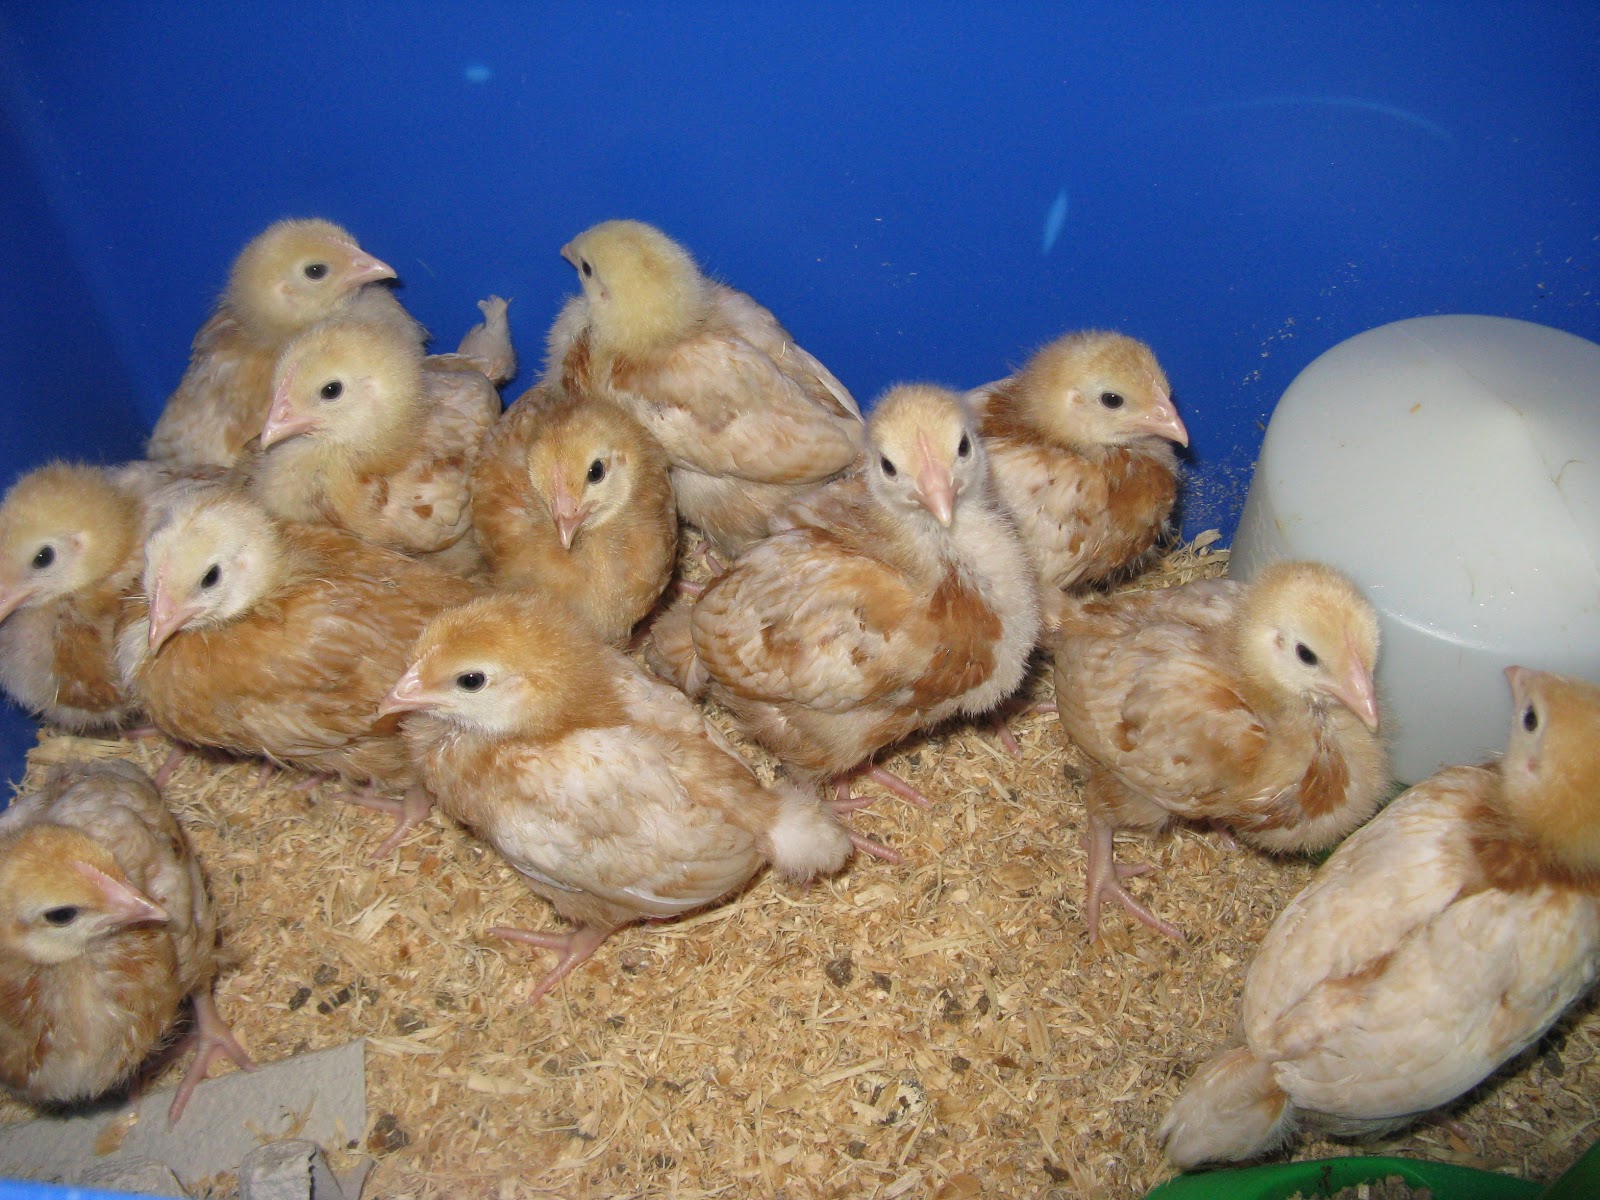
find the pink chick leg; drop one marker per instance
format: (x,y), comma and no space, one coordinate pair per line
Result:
(408,814)
(575,948)
(1105,880)
(213,1037)
(844,802)
(170,764)
(1002,731)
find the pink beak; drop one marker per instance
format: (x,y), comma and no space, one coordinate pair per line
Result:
(407,695)
(13,598)
(1359,694)
(569,515)
(363,269)
(1163,421)
(936,490)
(566,253)
(166,616)
(282,421)
(126,904)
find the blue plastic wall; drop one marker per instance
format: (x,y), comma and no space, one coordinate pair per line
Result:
(919,191)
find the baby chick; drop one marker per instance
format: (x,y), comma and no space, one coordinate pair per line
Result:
(368,435)
(279,640)
(882,604)
(1252,705)
(70,551)
(292,275)
(1080,445)
(747,418)
(571,499)
(104,929)
(1436,943)
(604,787)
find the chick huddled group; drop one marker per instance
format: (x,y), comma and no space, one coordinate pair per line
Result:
(341,557)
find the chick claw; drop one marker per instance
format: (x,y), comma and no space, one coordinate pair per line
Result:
(575,948)
(213,1037)
(1104,879)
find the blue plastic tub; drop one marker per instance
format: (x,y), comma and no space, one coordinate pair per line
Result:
(919,190)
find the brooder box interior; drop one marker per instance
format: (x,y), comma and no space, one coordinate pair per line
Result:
(918,191)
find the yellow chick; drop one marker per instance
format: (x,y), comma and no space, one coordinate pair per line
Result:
(602,786)
(1436,943)
(882,604)
(572,499)
(368,435)
(1080,446)
(105,928)
(747,418)
(292,275)
(1252,705)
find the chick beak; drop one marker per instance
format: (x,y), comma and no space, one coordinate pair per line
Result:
(568,513)
(566,253)
(935,488)
(363,269)
(282,420)
(1163,421)
(407,695)
(124,903)
(13,598)
(1358,693)
(167,616)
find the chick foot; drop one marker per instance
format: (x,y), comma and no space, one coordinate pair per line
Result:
(1105,877)
(408,814)
(575,948)
(213,1037)
(488,343)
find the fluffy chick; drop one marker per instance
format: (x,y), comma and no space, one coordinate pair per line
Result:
(71,541)
(279,640)
(1436,943)
(1252,705)
(604,787)
(747,418)
(1080,446)
(294,274)
(883,603)
(572,499)
(368,435)
(105,928)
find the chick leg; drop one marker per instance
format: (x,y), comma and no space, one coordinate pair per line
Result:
(212,1037)
(575,948)
(488,343)
(408,813)
(1105,880)
(844,802)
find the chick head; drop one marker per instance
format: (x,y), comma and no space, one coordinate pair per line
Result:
(1306,632)
(643,289)
(1099,389)
(346,382)
(505,664)
(585,464)
(924,453)
(209,560)
(1551,767)
(60,891)
(63,528)
(298,272)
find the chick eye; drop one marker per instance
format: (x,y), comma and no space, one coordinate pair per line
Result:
(471,681)
(597,471)
(1306,654)
(212,576)
(64,915)
(316,270)
(46,556)
(965,448)
(332,390)
(583,265)
(1111,399)
(1530,719)
(888,467)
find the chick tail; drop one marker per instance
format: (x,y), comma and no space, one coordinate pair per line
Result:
(805,840)
(1232,1109)
(670,650)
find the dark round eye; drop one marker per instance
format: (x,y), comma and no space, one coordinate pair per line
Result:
(1530,719)
(65,915)
(316,270)
(1306,654)
(46,556)
(471,681)
(888,467)
(583,265)
(332,390)
(212,576)
(965,448)
(597,471)
(1111,399)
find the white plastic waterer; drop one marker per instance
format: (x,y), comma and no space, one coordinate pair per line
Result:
(1451,466)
